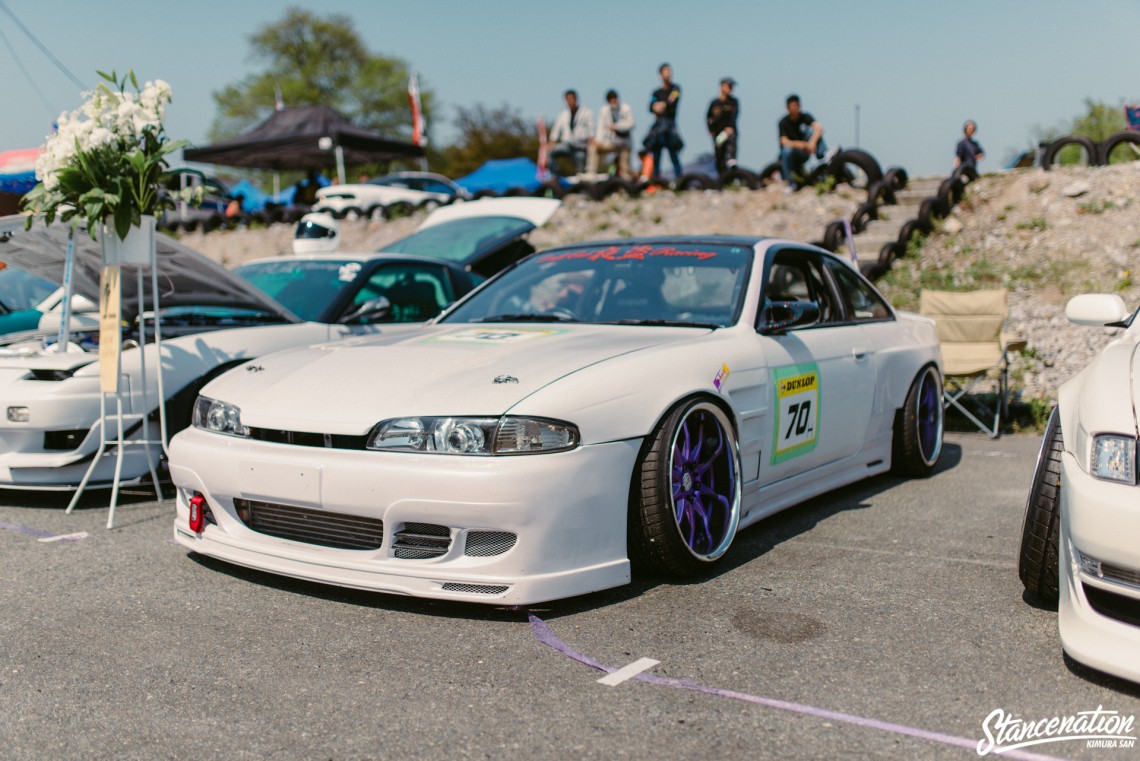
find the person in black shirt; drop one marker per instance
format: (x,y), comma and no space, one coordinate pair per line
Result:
(968,152)
(801,136)
(721,120)
(663,134)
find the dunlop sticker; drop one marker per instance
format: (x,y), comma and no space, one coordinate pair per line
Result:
(797,392)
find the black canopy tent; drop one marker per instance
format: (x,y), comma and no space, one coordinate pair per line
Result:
(304,137)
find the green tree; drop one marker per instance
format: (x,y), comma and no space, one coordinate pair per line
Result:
(500,133)
(313,60)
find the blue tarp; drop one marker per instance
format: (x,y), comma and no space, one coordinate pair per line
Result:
(500,175)
(17,182)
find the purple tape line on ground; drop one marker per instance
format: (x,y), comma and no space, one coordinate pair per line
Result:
(544,634)
(35,532)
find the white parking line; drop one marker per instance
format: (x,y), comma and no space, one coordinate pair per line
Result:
(614,678)
(60,537)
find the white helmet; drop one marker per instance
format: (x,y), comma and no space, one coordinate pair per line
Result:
(317,233)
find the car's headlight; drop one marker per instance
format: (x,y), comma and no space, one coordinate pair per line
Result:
(473,435)
(219,417)
(1114,458)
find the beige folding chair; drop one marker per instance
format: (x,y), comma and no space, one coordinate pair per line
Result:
(974,348)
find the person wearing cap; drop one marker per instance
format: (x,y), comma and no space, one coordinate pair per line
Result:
(721,120)
(615,125)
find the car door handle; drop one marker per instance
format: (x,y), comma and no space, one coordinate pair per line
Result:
(859,353)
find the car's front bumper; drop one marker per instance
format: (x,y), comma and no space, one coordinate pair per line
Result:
(1099,612)
(568,511)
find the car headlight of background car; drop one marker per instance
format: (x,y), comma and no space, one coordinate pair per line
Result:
(1113,458)
(473,435)
(219,417)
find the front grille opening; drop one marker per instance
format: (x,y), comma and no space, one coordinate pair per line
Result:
(319,527)
(421,541)
(485,544)
(1117,607)
(308,439)
(475,589)
(64,441)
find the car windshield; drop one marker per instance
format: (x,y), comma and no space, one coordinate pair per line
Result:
(460,239)
(306,288)
(20,290)
(698,284)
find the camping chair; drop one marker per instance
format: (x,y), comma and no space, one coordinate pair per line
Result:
(974,348)
(1132,116)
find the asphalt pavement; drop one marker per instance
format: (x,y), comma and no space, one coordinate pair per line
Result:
(883,620)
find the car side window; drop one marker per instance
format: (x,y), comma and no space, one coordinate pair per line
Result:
(435,186)
(416,292)
(861,301)
(796,276)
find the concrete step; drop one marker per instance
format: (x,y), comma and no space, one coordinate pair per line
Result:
(884,226)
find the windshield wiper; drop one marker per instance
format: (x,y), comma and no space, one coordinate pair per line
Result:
(667,323)
(528,318)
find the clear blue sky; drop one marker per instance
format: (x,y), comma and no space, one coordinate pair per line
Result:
(916,70)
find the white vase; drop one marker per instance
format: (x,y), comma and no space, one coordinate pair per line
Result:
(136,248)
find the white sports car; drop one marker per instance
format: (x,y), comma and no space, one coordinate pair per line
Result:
(1080,544)
(368,199)
(49,429)
(638,399)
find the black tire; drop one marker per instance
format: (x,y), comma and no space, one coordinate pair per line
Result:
(1039,560)
(950,192)
(873,270)
(906,232)
(548,189)
(867,210)
(190,225)
(888,254)
(398,209)
(864,161)
(882,193)
(1128,137)
(927,213)
(917,442)
(966,174)
(834,235)
(277,214)
(431,204)
(614,185)
(351,213)
(740,176)
(376,212)
(896,178)
(659,541)
(694,181)
(770,174)
(516,191)
(1049,155)
(485,193)
(820,173)
(939,205)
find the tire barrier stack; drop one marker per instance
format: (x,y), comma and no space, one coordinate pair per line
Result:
(1094,154)
(880,237)
(854,167)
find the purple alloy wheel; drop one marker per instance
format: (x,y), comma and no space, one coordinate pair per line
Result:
(704,480)
(929,413)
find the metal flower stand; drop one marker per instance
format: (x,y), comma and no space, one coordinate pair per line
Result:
(118,414)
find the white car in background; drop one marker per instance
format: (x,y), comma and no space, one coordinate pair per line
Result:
(636,398)
(213,320)
(369,199)
(1080,543)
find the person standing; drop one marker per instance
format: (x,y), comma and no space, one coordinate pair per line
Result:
(968,153)
(721,120)
(572,131)
(801,137)
(663,135)
(615,127)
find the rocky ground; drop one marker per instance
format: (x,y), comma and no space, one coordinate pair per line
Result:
(1044,235)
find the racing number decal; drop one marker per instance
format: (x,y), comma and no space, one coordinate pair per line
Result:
(797,410)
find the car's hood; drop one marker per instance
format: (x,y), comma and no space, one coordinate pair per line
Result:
(185,277)
(349,386)
(537,211)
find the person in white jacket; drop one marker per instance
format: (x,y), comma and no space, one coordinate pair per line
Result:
(614,135)
(573,131)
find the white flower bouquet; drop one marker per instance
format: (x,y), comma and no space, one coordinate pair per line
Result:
(104,162)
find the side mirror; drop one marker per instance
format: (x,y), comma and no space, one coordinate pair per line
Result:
(370,311)
(780,316)
(1097,310)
